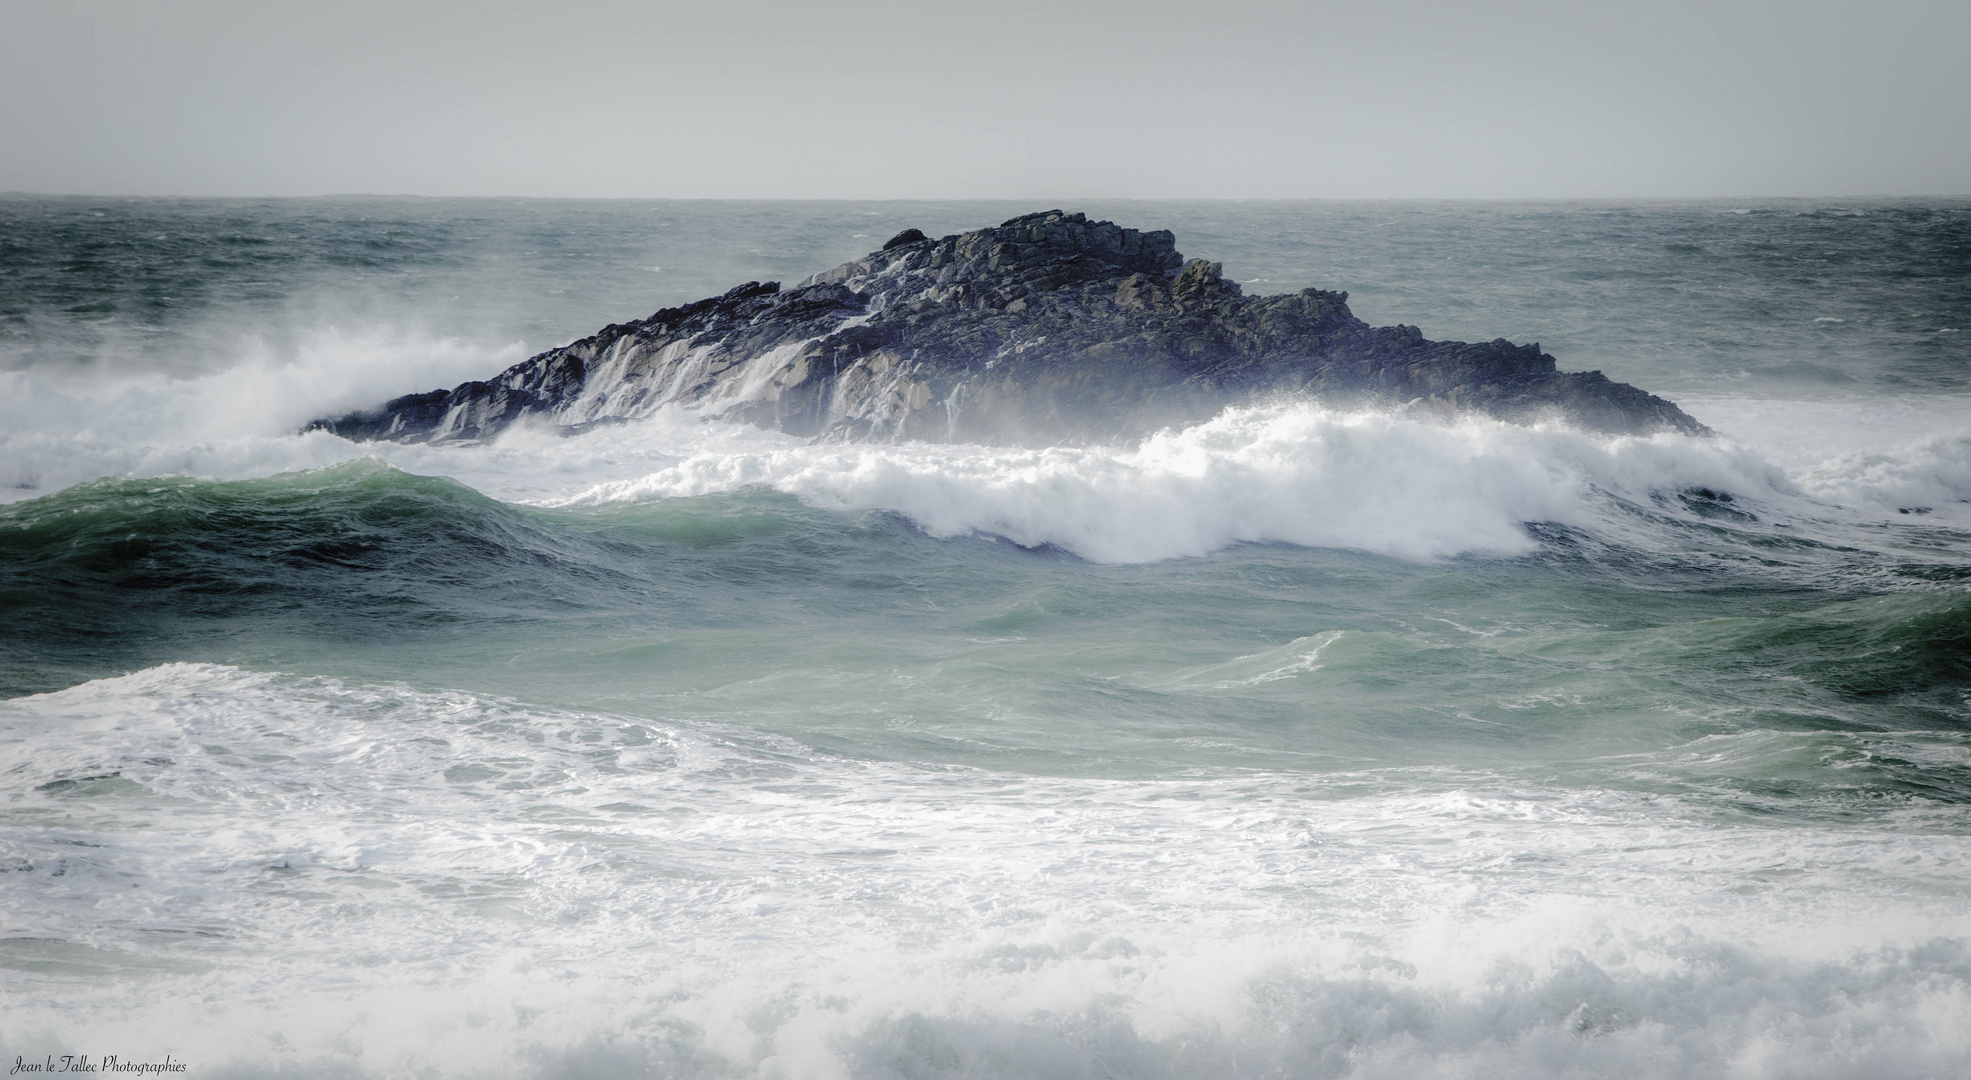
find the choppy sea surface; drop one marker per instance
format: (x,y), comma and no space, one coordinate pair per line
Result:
(1299,743)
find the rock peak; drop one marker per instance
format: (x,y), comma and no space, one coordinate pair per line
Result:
(1063,246)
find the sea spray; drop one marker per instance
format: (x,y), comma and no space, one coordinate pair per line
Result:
(1296,473)
(1295,741)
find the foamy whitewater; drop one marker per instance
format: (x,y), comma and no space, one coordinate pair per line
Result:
(1300,742)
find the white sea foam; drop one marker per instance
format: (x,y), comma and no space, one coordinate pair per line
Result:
(59,429)
(1297,473)
(1301,655)
(1386,482)
(1887,454)
(321,879)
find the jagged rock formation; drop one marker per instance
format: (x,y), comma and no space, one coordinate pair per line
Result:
(1048,328)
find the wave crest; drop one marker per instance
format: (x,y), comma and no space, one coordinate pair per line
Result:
(1296,473)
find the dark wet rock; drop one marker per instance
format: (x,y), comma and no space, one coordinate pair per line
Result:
(1050,327)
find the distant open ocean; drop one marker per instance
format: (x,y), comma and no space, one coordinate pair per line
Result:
(1302,743)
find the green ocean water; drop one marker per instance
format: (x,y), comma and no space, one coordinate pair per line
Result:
(1300,743)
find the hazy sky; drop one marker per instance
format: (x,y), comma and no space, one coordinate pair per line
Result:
(872,99)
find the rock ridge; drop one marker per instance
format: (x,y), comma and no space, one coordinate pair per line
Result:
(1048,328)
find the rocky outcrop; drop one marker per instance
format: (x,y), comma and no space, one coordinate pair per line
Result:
(1050,327)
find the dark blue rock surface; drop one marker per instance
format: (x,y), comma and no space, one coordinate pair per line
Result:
(1048,328)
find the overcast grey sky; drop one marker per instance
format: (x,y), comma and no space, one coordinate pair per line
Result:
(874,99)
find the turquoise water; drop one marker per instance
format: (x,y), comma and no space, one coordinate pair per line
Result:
(1299,743)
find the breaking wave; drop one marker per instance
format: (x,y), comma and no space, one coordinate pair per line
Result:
(582,893)
(1294,473)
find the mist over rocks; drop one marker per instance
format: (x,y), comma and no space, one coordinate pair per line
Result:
(1049,328)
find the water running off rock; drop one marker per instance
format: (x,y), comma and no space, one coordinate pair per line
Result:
(1048,328)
